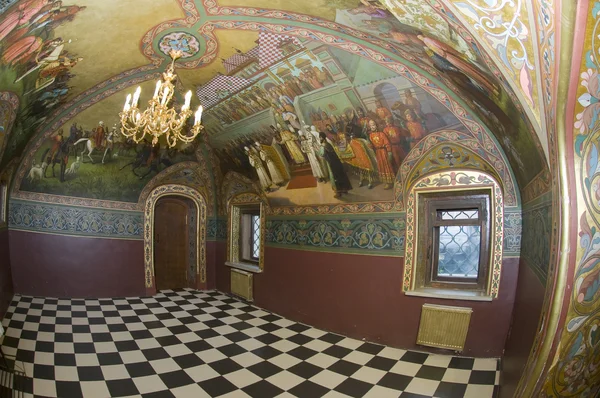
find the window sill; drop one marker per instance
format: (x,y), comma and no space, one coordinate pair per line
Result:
(245,266)
(449,294)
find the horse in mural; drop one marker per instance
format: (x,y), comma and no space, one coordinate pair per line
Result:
(60,156)
(90,147)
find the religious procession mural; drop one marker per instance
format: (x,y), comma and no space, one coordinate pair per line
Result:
(35,64)
(315,124)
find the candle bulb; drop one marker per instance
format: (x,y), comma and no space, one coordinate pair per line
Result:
(136,96)
(157,90)
(198,115)
(165,94)
(188,98)
(127,103)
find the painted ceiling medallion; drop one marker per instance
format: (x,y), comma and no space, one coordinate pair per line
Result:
(180,41)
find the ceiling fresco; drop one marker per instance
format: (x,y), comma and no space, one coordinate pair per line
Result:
(272,76)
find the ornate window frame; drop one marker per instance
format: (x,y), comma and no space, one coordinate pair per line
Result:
(153,197)
(452,181)
(235,207)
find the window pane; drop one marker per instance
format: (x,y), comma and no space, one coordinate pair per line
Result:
(459,247)
(255,236)
(461,214)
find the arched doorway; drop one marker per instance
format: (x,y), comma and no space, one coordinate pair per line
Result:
(174,237)
(196,271)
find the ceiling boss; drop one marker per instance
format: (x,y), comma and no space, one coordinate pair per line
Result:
(158,119)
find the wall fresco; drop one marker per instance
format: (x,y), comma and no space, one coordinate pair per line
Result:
(35,64)
(9,104)
(537,230)
(367,21)
(91,159)
(369,118)
(575,370)
(499,107)
(505,27)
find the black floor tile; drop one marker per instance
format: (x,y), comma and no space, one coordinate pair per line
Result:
(262,389)
(217,386)
(176,379)
(395,381)
(431,373)
(122,388)
(344,367)
(68,389)
(451,390)
(353,387)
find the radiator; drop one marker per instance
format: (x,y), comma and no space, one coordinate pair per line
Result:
(444,327)
(241,284)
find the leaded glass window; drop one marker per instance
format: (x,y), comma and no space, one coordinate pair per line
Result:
(255,236)
(459,247)
(457,240)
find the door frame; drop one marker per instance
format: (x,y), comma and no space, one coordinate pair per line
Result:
(153,197)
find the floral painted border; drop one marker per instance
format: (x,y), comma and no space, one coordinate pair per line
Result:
(24,215)
(374,235)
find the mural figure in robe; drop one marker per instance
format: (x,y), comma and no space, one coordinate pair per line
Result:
(413,103)
(363,123)
(383,152)
(415,127)
(339,180)
(455,58)
(398,139)
(291,142)
(99,134)
(308,147)
(381,111)
(263,177)
(276,176)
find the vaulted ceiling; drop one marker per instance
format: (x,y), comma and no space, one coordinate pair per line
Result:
(488,79)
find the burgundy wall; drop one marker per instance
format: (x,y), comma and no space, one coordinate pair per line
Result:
(6,285)
(63,266)
(223,281)
(529,300)
(361,297)
(211,260)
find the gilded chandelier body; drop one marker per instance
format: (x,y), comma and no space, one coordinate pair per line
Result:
(159,119)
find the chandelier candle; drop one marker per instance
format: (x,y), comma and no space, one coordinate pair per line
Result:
(159,119)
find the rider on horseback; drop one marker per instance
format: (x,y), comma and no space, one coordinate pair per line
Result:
(57,142)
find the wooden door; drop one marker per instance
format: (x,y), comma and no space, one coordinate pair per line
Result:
(170,243)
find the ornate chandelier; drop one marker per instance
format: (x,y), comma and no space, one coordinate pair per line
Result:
(158,119)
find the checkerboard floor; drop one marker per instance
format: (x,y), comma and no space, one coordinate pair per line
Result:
(206,344)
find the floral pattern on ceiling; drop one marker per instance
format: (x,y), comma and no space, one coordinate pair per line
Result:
(574,370)
(510,35)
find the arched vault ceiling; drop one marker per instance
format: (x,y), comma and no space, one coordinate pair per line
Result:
(114,45)
(517,39)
